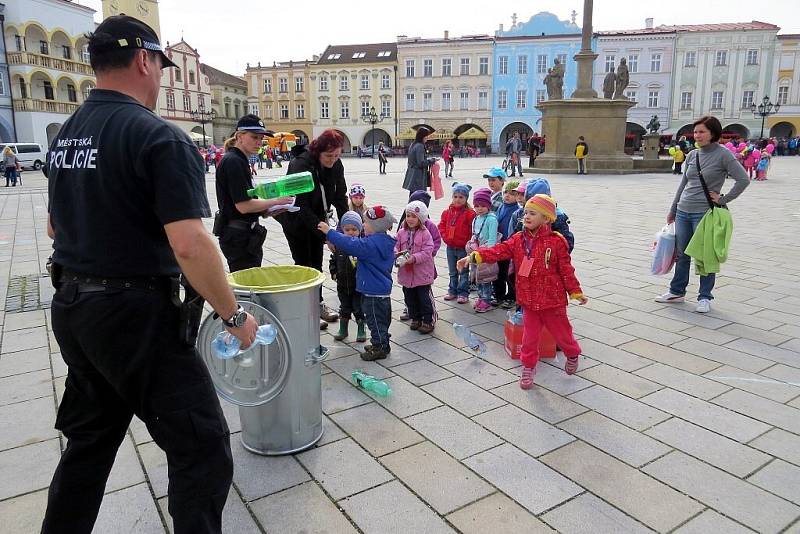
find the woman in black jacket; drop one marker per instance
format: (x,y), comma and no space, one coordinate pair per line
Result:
(416,174)
(321,159)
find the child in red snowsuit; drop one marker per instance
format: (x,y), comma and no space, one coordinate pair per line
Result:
(544,278)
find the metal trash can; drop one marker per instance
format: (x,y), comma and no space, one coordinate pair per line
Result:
(278,387)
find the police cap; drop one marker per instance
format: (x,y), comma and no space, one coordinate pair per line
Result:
(128,32)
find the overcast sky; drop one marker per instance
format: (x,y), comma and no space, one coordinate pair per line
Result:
(231,33)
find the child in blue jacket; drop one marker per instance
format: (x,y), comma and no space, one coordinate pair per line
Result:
(375,254)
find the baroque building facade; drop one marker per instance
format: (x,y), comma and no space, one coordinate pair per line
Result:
(280,95)
(185,89)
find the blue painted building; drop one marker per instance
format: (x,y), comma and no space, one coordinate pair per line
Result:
(522,56)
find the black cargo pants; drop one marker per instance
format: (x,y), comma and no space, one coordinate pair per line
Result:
(124,357)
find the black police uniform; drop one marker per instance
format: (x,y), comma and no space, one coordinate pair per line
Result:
(117,174)
(241,238)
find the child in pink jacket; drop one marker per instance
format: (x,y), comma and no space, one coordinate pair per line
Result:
(415,268)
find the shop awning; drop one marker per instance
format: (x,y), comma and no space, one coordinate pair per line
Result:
(473,133)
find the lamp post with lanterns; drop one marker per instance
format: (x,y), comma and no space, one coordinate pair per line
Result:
(763,110)
(203,117)
(373,118)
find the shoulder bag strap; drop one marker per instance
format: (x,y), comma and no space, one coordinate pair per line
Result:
(703,183)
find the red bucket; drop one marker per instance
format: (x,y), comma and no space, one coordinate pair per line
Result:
(513,335)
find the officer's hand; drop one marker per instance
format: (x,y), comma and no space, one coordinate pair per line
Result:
(281,201)
(323,227)
(247,333)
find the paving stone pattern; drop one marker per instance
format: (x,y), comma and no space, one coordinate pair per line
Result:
(676,422)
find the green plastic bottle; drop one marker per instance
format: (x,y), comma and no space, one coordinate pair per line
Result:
(371,384)
(285,186)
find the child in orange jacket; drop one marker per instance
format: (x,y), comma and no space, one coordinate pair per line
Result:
(544,278)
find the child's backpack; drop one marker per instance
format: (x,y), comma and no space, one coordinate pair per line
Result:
(561,225)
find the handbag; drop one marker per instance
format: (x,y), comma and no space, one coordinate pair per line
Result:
(711,203)
(664,251)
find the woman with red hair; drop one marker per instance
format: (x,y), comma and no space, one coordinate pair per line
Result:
(321,159)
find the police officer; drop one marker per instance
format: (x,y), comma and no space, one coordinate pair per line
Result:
(240,236)
(126,197)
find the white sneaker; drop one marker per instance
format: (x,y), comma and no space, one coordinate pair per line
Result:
(669,297)
(703,306)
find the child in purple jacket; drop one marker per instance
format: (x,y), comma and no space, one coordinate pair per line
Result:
(415,268)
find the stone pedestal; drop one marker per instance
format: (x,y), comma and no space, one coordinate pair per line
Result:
(651,145)
(600,121)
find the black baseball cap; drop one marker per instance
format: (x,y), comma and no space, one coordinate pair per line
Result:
(128,32)
(252,124)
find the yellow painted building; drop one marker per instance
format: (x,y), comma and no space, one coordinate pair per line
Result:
(281,96)
(144,10)
(786,123)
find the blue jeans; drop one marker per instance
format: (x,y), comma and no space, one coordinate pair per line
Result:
(459,281)
(485,292)
(515,167)
(685,224)
(378,313)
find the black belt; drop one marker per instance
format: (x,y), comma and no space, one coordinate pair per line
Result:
(242,225)
(89,283)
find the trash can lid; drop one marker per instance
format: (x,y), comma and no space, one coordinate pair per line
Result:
(276,278)
(256,376)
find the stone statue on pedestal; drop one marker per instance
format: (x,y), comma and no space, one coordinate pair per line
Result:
(623,78)
(557,77)
(653,126)
(608,85)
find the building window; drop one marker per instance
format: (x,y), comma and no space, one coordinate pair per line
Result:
(540,95)
(284,111)
(268,86)
(483,100)
(427,101)
(344,84)
(716,100)
(365,108)
(464,66)
(502,99)
(72,94)
(652,99)
(445,101)
(783,95)
(410,68)
(633,63)
(236,110)
(89,87)
(18,43)
(300,111)
(427,68)
(44,48)
(385,81)
(227,109)
(2,84)
(323,83)
(632,96)
(187,102)
(463,101)
(747,99)
(386,108)
(690,59)
(522,98)
(178,75)
(324,110)
(85,54)
(483,66)
(655,63)
(562,58)
(686,100)
(201,102)
(171,101)
(411,100)
(191,77)
(254,109)
(299,84)
(23,89)
(541,64)
(268,111)
(610,60)
(66,52)
(365,82)
(502,65)
(752,57)
(447,67)
(283,85)
(522,64)
(721,58)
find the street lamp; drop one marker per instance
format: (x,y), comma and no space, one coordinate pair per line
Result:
(203,117)
(763,110)
(373,118)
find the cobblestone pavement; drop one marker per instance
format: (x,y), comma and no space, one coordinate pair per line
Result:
(676,422)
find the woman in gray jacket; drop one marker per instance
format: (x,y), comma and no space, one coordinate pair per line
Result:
(416,173)
(10,166)
(690,203)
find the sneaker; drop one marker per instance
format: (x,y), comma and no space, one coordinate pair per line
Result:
(463,300)
(482,306)
(323,325)
(450,296)
(507,304)
(327,314)
(526,380)
(415,325)
(669,298)
(494,303)
(572,365)
(703,306)
(425,328)
(372,353)
(473,288)
(405,316)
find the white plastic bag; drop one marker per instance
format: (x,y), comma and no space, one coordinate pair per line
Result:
(664,252)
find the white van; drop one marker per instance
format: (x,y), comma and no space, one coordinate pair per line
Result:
(30,155)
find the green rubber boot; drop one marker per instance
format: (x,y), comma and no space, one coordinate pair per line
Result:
(342,333)
(362,331)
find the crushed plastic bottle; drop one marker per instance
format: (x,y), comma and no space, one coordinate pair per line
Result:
(226,346)
(371,384)
(470,339)
(515,317)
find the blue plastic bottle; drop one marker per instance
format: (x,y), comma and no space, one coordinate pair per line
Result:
(226,345)
(470,339)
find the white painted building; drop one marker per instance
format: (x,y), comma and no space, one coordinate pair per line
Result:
(48,64)
(185,89)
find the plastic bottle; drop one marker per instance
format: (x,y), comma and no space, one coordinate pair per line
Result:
(370,383)
(226,345)
(285,186)
(470,339)
(515,317)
